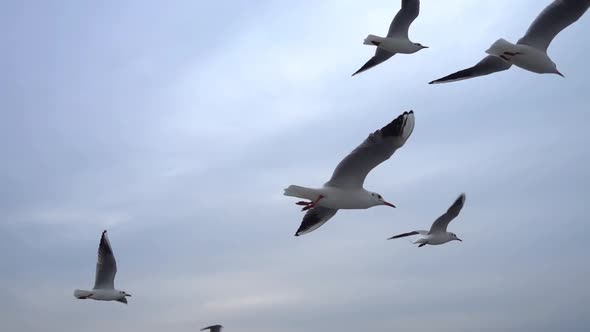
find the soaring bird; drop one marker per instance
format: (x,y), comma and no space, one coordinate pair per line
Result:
(438,231)
(530,52)
(104,283)
(345,188)
(397,40)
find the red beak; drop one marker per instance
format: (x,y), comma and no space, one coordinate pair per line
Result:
(388,204)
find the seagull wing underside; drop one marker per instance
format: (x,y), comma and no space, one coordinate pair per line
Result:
(490,64)
(378,147)
(408,234)
(552,20)
(403,19)
(106,266)
(380,56)
(315,218)
(441,223)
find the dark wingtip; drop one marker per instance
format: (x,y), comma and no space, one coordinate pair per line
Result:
(395,127)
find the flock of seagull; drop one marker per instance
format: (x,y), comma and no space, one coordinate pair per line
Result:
(344,190)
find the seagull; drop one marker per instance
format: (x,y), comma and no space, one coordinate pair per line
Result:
(104,284)
(213,328)
(530,52)
(345,188)
(438,231)
(397,40)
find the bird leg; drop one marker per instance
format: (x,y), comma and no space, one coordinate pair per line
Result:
(509,55)
(309,205)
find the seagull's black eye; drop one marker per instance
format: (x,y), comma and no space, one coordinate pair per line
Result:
(379,196)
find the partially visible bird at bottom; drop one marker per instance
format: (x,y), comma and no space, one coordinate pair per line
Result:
(213,328)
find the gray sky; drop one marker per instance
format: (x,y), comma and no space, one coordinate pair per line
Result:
(176,125)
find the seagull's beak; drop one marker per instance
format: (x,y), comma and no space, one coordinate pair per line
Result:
(388,204)
(459,239)
(423,46)
(126,294)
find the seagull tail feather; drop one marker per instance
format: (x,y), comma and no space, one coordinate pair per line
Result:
(501,46)
(372,40)
(300,192)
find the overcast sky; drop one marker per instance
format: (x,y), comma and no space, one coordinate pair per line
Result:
(177,124)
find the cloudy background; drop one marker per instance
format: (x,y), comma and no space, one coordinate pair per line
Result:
(176,125)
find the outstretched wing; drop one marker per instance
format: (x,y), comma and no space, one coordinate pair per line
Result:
(378,147)
(315,218)
(380,56)
(408,234)
(490,64)
(441,223)
(403,19)
(106,266)
(552,20)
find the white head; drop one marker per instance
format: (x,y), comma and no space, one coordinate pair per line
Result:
(122,297)
(453,237)
(377,199)
(124,294)
(418,47)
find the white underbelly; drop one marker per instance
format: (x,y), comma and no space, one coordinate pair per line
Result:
(105,295)
(396,46)
(436,240)
(344,199)
(533,60)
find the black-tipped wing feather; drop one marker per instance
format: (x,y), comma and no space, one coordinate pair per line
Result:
(378,147)
(404,18)
(441,223)
(552,20)
(403,235)
(380,56)
(213,328)
(315,218)
(490,64)
(106,266)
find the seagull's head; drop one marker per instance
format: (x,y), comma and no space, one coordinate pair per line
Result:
(454,237)
(379,200)
(419,46)
(123,294)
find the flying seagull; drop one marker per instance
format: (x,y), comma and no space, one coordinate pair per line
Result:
(213,328)
(104,284)
(438,231)
(397,40)
(530,52)
(345,188)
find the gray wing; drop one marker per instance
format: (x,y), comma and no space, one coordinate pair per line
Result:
(378,147)
(490,64)
(381,55)
(106,266)
(441,223)
(315,218)
(408,234)
(403,19)
(213,328)
(554,18)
